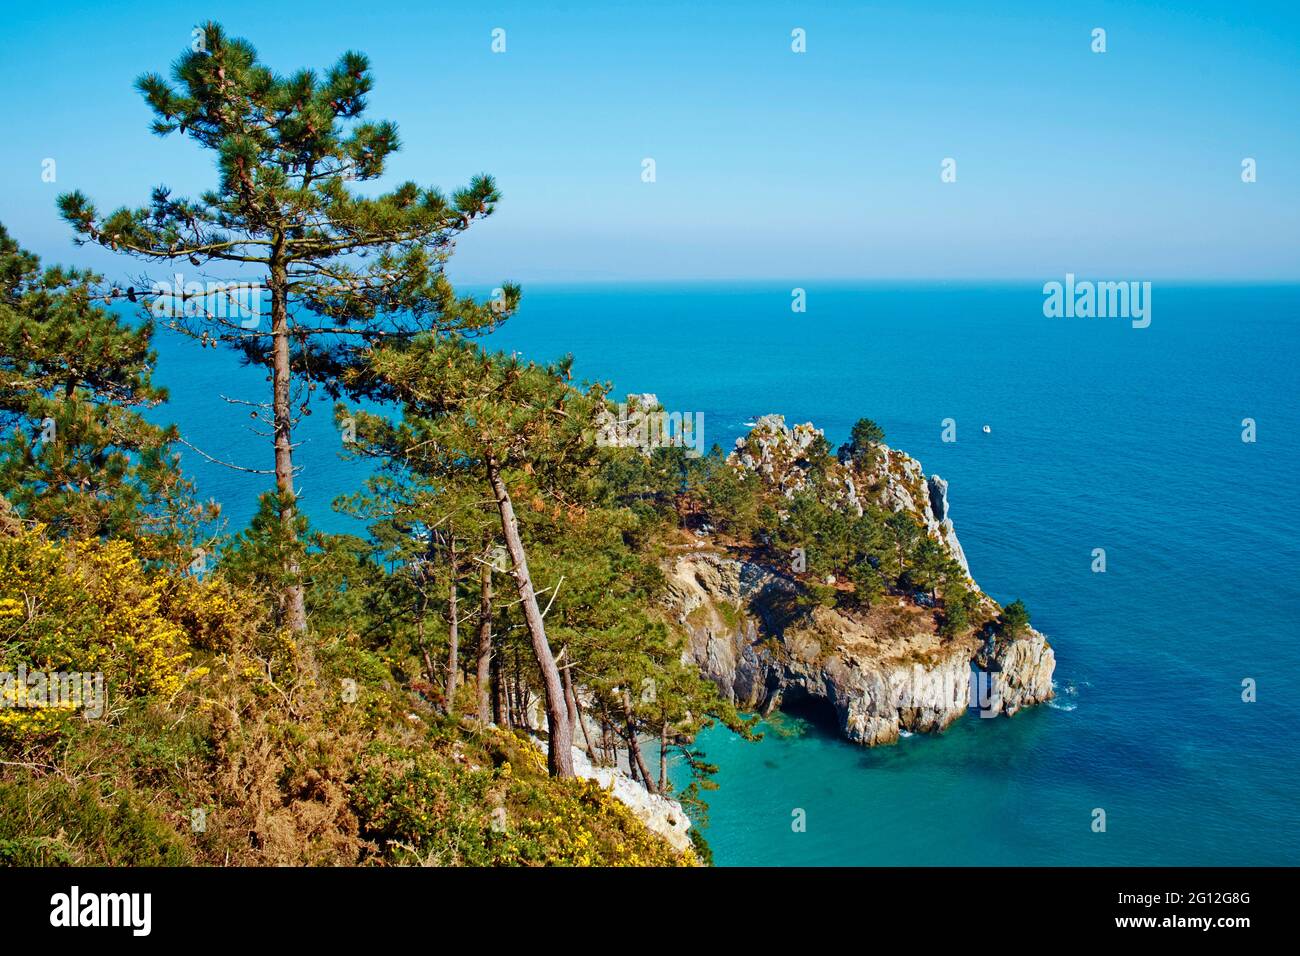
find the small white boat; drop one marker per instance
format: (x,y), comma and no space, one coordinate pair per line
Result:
(987,430)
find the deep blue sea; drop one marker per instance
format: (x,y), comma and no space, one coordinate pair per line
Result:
(1102,436)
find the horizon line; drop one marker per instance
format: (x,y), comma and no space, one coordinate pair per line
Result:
(929,280)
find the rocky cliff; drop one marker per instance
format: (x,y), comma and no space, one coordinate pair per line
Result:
(660,814)
(881,670)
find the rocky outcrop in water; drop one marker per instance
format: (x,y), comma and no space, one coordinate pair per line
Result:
(1021,671)
(881,671)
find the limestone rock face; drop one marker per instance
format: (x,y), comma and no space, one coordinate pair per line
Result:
(706,593)
(661,814)
(905,487)
(776,451)
(1022,671)
(878,688)
(937,512)
(628,428)
(883,672)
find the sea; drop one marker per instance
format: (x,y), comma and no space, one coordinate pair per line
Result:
(1169,450)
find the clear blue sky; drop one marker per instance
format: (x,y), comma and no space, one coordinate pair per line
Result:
(770,164)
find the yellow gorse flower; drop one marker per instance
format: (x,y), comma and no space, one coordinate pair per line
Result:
(89,606)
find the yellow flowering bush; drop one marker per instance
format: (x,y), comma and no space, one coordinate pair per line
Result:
(84,607)
(270,750)
(582,824)
(418,807)
(213,615)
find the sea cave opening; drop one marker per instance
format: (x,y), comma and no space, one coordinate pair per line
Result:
(817,711)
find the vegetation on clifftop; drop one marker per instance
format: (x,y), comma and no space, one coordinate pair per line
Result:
(215,749)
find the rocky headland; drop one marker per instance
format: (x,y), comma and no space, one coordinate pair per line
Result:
(882,670)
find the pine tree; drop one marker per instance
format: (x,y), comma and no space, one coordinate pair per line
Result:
(1015,618)
(75,382)
(342,270)
(956,612)
(438,538)
(864,439)
(930,564)
(507,423)
(902,535)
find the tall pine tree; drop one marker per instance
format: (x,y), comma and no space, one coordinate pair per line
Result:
(342,270)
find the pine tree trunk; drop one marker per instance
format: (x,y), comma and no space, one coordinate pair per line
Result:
(568,687)
(560,758)
(428,666)
(641,767)
(453,626)
(518,715)
(607,743)
(424,652)
(484,642)
(518,701)
(575,710)
(293,600)
(631,762)
(500,698)
(634,757)
(429,673)
(663,756)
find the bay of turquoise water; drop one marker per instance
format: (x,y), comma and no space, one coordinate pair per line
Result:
(1101,436)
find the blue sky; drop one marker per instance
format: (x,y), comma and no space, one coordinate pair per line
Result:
(770,164)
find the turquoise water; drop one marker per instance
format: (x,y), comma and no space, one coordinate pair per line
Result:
(1102,436)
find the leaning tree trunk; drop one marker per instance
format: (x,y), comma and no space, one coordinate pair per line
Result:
(560,758)
(609,749)
(631,764)
(293,603)
(640,763)
(484,688)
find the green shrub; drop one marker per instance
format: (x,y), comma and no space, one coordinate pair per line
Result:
(49,822)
